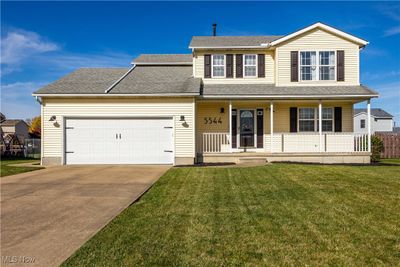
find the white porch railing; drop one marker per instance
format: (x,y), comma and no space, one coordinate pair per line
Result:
(215,142)
(293,143)
(310,142)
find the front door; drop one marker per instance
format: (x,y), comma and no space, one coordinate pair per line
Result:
(247,128)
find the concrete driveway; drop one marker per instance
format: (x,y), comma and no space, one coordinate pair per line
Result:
(48,214)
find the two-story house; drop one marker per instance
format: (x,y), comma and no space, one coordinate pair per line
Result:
(234,98)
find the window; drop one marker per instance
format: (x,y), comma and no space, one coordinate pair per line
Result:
(218,65)
(362,124)
(306,119)
(327,65)
(250,65)
(317,66)
(327,119)
(308,66)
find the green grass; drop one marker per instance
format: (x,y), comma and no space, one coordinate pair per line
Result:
(280,214)
(7,170)
(390,161)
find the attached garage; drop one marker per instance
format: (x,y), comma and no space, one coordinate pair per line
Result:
(119,141)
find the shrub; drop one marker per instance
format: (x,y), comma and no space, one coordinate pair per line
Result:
(377,148)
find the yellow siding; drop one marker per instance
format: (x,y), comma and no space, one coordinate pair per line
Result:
(317,40)
(121,107)
(269,66)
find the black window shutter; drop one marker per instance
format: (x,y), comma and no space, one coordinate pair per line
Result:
(234,128)
(294,66)
(260,128)
(293,119)
(340,66)
(261,65)
(239,66)
(338,119)
(207,66)
(229,66)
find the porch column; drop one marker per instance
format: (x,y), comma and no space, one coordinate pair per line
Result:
(369,124)
(230,125)
(271,119)
(320,124)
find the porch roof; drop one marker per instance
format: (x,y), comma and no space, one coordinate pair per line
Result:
(272,91)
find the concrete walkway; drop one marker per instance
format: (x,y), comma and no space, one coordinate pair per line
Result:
(46,215)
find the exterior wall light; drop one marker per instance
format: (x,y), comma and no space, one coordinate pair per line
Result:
(182,118)
(222,110)
(53,118)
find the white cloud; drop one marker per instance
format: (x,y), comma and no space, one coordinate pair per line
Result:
(19,45)
(380,75)
(70,61)
(17,100)
(392,31)
(30,52)
(18,90)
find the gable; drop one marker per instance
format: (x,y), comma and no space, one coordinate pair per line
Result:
(333,31)
(319,38)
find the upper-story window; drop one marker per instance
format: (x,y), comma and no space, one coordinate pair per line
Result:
(218,66)
(308,66)
(327,65)
(317,65)
(250,65)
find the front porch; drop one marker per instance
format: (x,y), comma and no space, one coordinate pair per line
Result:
(322,132)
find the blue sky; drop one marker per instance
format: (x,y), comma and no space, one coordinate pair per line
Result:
(42,41)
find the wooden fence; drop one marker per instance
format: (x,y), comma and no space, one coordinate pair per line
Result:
(391,142)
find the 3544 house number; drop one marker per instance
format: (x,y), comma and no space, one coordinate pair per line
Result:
(214,120)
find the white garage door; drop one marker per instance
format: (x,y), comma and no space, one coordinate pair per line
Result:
(119,141)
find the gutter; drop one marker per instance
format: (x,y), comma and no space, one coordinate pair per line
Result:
(230,47)
(162,63)
(286,96)
(115,95)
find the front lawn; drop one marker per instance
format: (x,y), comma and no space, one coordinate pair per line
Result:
(390,161)
(6,169)
(279,214)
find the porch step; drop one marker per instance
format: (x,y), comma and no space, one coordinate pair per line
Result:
(252,160)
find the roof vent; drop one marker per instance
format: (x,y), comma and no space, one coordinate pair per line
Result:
(214,29)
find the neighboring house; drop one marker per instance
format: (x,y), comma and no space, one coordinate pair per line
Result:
(396,130)
(381,121)
(17,128)
(233,98)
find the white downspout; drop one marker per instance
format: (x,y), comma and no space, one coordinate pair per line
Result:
(320,125)
(230,125)
(369,124)
(271,119)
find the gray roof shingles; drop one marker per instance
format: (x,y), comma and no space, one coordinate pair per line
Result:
(163,58)
(11,122)
(84,81)
(231,41)
(159,80)
(376,112)
(272,90)
(174,79)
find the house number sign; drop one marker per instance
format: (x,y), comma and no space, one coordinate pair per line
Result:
(214,120)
